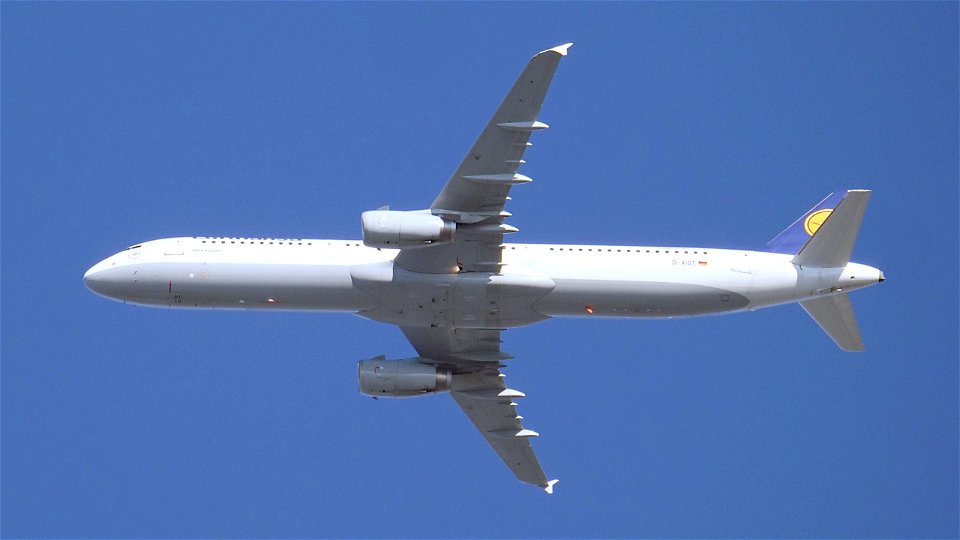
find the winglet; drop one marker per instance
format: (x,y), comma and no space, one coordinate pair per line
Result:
(559,49)
(549,487)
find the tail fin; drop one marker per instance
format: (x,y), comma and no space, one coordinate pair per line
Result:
(824,236)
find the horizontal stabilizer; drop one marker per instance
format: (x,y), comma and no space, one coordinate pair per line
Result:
(835,315)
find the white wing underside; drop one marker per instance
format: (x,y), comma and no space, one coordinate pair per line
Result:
(474,197)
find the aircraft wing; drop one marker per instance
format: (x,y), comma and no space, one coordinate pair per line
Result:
(475,194)
(478,387)
(474,198)
(478,188)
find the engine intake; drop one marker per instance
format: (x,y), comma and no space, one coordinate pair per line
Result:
(379,377)
(397,229)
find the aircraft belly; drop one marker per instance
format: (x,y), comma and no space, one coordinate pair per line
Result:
(246,286)
(628,298)
(465,300)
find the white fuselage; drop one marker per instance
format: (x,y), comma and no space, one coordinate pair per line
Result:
(537,281)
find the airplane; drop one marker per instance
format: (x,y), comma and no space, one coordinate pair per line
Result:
(445,276)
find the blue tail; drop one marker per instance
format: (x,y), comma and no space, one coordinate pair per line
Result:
(794,237)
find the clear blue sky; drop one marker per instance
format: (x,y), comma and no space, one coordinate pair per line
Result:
(681,124)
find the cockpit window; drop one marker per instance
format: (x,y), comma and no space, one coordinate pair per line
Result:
(134,247)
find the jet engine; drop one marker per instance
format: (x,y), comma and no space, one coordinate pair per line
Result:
(379,377)
(397,229)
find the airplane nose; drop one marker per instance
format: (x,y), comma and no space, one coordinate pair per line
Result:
(88,276)
(882,278)
(94,278)
(104,278)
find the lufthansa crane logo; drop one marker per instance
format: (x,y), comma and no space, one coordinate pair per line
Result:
(815,220)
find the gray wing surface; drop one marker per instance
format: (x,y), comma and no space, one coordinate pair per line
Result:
(476,193)
(835,316)
(474,198)
(479,187)
(479,389)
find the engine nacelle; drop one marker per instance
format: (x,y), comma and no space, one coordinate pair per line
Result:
(379,377)
(396,229)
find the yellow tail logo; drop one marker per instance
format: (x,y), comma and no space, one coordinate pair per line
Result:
(815,220)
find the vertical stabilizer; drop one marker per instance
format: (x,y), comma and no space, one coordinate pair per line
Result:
(794,237)
(835,315)
(824,236)
(833,239)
